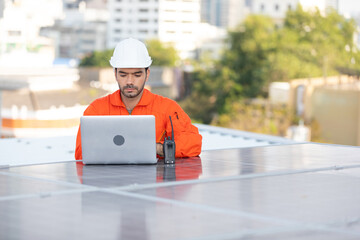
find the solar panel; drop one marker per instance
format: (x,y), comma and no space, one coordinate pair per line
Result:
(297,191)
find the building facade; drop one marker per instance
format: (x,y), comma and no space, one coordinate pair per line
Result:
(171,21)
(20,24)
(277,9)
(223,13)
(81,30)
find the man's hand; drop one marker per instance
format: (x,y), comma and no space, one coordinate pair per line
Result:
(160,149)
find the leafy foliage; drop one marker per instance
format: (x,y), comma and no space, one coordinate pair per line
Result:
(251,46)
(319,42)
(258,52)
(97,59)
(161,54)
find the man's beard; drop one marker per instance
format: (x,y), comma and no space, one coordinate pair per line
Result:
(132,94)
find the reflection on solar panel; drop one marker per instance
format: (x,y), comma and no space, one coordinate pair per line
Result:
(298,191)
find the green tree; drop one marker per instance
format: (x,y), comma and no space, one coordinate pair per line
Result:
(314,44)
(240,73)
(97,59)
(250,47)
(162,54)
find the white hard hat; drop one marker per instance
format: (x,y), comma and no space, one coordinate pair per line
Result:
(130,53)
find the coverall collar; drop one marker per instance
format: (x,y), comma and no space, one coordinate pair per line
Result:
(115,99)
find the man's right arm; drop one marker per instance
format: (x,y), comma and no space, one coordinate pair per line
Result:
(187,138)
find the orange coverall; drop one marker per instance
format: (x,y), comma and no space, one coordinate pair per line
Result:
(187,137)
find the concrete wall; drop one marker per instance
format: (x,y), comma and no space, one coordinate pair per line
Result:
(333,102)
(88,74)
(338,113)
(310,84)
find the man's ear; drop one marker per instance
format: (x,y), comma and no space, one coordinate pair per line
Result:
(147,74)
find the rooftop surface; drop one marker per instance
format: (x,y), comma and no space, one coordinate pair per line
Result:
(272,191)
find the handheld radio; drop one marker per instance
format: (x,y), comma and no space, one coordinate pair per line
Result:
(169,147)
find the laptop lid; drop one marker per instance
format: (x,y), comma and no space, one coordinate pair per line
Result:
(118,139)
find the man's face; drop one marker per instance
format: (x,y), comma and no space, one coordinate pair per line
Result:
(131,81)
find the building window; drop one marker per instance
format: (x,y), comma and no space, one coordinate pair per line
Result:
(186,21)
(169,21)
(86,41)
(262,7)
(117,20)
(117,30)
(143,31)
(143,20)
(143,10)
(14,33)
(289,7)
(118,10)
(88,31)
(277,7)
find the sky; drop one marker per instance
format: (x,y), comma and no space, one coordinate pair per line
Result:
(349,6)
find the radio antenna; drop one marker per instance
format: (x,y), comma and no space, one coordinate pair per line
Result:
(172,129)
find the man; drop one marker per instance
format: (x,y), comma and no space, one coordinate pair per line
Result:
(131,62)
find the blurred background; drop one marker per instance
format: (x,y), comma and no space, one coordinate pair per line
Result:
(286,68)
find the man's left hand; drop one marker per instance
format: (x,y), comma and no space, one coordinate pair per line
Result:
(160,149)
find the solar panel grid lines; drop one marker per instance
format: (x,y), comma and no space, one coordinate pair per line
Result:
(225,211)
(298,191)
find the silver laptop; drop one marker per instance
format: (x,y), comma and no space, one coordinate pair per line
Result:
(118,139)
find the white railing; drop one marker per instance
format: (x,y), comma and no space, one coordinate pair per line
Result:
(21,122)
(53,113)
